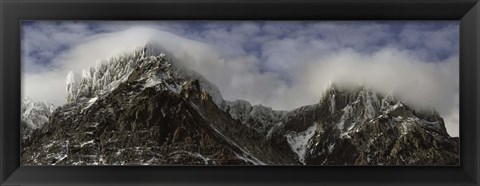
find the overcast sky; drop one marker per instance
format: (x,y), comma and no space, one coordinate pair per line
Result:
(279,64)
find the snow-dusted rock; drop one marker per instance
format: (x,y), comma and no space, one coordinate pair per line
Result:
(34,115)
(107,75)
(144,108)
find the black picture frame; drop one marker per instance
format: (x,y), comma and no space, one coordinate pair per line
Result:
(467,12)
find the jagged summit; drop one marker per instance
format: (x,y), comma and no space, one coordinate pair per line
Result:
(105,77)
(339,97)
(356,105)
(153,60)
(108,74)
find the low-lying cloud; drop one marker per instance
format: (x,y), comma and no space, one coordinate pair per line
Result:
(277,64)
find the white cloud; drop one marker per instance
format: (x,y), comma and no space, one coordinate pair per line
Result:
(287,67)
(45,86)
(418,83)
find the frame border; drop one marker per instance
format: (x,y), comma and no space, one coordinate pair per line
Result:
(13,11)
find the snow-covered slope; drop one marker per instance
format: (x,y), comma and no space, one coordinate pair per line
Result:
(34,115)
(299,141)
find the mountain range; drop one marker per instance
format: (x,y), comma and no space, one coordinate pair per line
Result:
(143,108)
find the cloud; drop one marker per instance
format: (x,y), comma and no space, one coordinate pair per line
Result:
(279,64)
(45,86)
(418,83)
(47,80)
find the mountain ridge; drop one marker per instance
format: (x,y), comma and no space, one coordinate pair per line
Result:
(145,98)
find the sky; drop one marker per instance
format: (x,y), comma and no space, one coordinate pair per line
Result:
(281,64)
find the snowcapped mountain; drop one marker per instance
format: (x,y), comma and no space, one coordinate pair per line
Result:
(361,127)
(143,108)
(34,115)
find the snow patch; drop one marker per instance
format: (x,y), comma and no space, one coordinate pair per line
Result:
(60,158)
(332,104)
(152,82)
(206,160)
(347,112)
(86,143)
(91,101)
(369,99)
(330,147)
(298,141)
(404,128)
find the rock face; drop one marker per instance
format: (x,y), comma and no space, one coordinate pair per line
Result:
(145,109)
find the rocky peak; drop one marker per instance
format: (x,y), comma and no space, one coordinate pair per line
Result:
(150,63)
(350,106)
(106,76)
(339,97)
(34,115)
(361,121)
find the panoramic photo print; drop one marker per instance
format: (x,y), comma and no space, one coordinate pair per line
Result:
(322,93)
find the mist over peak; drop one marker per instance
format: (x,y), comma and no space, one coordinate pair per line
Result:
(280,65)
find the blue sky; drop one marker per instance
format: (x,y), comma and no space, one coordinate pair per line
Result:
(432,41)
(282,64)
